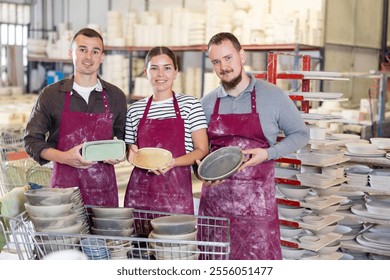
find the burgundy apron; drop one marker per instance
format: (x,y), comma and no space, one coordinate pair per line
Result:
(97,183)
(170,192)
(247,198)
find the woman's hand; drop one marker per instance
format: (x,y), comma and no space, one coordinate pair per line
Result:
(132,149)
(165,169)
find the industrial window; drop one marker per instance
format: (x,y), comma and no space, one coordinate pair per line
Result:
(14,21)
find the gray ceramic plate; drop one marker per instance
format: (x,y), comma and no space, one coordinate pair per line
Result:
(221,163)
(104,150)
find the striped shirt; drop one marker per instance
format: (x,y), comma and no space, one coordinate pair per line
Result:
(190,110)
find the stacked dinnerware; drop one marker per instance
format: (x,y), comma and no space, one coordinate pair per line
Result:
(50,211)
(173,236)
(112,221)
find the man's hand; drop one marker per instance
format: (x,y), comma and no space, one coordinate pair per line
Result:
(73,158)
(253,157)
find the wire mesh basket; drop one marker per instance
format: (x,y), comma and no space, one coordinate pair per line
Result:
(17,168)
(211,241)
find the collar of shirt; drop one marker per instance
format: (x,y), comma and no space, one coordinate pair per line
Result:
(222,92)
(98,87)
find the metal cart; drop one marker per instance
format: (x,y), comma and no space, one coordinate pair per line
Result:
(17,168)
(212,241)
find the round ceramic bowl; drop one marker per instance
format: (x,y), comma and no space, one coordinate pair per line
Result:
(49,196)
(342,229)
(184,236)
(289,232)
(361,148)
(312,219)
(48,211)
(308,240)
(113,212)
(119,248)
(111,223)
(328,191)
(329,249)
(221,163)
(382,143)
(377,207)
(72,229)
(292,253)
(176,251)
(288,211)
(54,222)
(112,232)
(293,192)
(328,210)
(176,224)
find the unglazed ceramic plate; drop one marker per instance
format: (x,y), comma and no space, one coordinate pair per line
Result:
(104,150)
(221,163)
(152,158)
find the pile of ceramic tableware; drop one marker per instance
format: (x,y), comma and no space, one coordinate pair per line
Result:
(95,249)
(51,211)
(358,175)
(112,221)
(173,237)
(379,179)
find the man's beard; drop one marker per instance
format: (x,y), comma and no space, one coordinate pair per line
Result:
(231,84)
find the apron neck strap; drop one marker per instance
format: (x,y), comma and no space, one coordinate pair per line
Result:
(175,105)
(104,96)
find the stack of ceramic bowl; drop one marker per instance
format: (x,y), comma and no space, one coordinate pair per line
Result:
(174,236)
(112,221)
(379,179)
(358,176)
(378,206)
(95,249)
(119,248)
(78,207)
(50,211)
(293,192)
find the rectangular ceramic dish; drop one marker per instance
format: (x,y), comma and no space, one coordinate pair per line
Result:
(103,150)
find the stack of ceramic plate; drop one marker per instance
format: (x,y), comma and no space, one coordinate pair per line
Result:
(358,176)
(379,179)
(78,207)
(376,240)
(95,249)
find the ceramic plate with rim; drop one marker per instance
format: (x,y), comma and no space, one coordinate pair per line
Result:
(361,210)
(152,158)
(378,153)
(221,163)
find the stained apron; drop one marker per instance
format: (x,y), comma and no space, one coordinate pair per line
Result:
(247,198)
(97,183)
(170,192)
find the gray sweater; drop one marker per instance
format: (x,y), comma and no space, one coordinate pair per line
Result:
(276,110)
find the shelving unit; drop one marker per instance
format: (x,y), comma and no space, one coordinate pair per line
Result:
(133,52)
(272,76)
